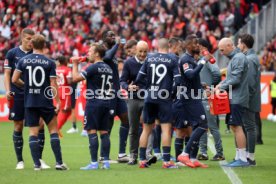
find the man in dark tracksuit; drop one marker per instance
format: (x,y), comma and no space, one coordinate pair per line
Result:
(246,43)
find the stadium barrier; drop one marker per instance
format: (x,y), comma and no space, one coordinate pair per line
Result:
(266,99)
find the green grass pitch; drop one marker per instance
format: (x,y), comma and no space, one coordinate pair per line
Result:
(76,154)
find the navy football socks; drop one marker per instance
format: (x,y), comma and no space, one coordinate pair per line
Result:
(123,133)
(194,139)
(41,142)
(157,139)
(18,145)
(166,153)
(178,145)
(105,144)
(93,147)
(34,146)
(55,144)
(143,153)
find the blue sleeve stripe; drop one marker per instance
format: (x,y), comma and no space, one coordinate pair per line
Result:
(177,75)
(18,70)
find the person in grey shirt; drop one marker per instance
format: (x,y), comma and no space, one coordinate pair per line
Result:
(236,83)
(210,76)
(245,44)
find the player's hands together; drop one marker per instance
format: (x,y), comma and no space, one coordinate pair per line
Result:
(132,87)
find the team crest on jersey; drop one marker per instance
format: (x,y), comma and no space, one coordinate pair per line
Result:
(6,62)
(12,115)
(186,66)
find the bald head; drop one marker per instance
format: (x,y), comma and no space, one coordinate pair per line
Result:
(226,46)
(163,44)
(142,50)
(142,44)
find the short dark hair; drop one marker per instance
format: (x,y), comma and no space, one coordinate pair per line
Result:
(28,31)
(99,48)
(204,43)
(190,38)
(61,60)
(38,41)
(130,44)
(247,39)
(174,40)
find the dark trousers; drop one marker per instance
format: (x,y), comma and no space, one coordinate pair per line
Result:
(258,128)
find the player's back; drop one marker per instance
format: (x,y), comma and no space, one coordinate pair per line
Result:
(160,70)
(37,71)
(99,80)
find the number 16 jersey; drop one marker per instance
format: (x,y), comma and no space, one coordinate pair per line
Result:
(37,71)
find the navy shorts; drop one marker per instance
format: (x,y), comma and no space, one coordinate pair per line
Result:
(17,111)
(97,117)
(179,119)
(236,115)
(161,111)
(33,114)
(195,113)
(118,106)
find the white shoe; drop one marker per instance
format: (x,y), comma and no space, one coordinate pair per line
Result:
(44,165)
(37,168)
(20,165)
(84,133)
(62,167)
(72,130)
(179,164)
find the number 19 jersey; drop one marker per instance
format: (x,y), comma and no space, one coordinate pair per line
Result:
(161,71)
(37,71)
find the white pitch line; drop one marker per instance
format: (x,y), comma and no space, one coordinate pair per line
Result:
(233,177)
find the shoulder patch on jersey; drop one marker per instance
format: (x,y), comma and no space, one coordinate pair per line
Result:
(185,66)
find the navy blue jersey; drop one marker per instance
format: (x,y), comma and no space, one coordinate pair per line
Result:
(37,71)
(190,77)
(160,70)
(112,62)
(99,81)
(12,58)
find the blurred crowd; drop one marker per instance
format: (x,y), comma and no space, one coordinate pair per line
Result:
(71,25)
(268,56)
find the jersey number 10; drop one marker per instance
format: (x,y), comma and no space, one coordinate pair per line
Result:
(32,76)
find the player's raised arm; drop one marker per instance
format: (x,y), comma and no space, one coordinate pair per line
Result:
(77,77)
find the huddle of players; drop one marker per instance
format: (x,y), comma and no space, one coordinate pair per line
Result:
(160,71)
